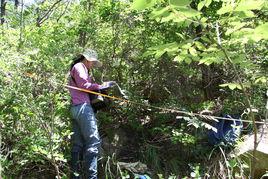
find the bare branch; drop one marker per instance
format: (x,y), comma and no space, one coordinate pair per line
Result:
(66,7)
(218,33)
(47,14)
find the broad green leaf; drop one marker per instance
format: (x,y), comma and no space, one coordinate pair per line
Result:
(262,30)
(235,26)
(232,86)
(188,60)
(265,6)
(148,53)
(179,2)
(244,34)
(232,163)
(171,51)
(246,5)
(165,46)
(211,56)
(160,12)
(180,21)
(161,49)
(205,39)
(183,57)
(178,58)
(211,49)
(184,53)
(248,14)
(170,17)
(262,79)
(181,14)
(186,46)
(240,59)
(181,36)
(193,51)
(203,3)
(159,53)
(187,12)
(203,20)
(225,9)
(208,2)
(199,45)
(142,4)
(208,60)
(200,5)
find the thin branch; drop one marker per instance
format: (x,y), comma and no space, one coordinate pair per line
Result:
(218,33)
(226,163)
(266,113)
(66,7)
(251,115)
(0,152)
(47,14)
(21,23)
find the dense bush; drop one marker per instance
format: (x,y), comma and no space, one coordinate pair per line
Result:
(189,55)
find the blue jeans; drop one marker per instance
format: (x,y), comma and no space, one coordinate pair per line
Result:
(85,141)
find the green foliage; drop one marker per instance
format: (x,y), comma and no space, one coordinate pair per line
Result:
(232,86)
(171,54)
(142,4)
(179,3)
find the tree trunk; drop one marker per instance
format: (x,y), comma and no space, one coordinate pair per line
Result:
(16,4)
(38,17)
(3,11)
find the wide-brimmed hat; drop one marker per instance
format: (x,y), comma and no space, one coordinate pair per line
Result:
(91,55)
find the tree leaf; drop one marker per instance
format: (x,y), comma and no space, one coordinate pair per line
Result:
(225,9)
(265,6)
(262,79)
(208,2)
(203,3)
(161,49)
(246,5)
(178,59)
(193,51)
(142,4)
(199,45)
(232,86)
(262,30)
(188,60)
(200,5)
(148,53)
(244,34)
(248,14)
(159,53)
(188,12)
(208,61)
(169,17)
(235,26)
(179,2)
(160,12)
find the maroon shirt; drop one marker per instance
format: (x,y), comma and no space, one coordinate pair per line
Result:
(79,73)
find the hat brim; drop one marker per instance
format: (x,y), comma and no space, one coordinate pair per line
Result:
(96,62)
